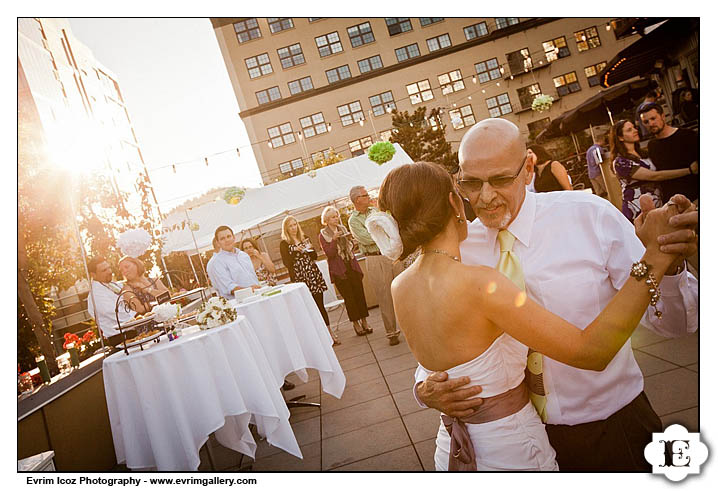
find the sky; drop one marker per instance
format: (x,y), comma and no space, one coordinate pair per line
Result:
(180,101)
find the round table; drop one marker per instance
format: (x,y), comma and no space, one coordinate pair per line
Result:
(165,401)
(294,337)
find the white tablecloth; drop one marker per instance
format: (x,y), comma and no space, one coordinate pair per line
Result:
(294,336)
(165,401)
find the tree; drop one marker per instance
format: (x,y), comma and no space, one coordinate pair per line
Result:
(423,137)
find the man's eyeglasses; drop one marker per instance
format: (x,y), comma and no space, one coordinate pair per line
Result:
(474,185)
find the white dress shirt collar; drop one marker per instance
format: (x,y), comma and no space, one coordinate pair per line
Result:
(522,226)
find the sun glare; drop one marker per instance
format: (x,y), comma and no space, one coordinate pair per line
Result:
(76,146)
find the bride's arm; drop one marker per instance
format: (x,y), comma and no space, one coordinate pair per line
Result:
(592,348)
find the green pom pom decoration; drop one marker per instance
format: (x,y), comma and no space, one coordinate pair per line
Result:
(381,152)
(233,195)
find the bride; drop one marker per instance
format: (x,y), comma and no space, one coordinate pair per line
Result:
(473,320)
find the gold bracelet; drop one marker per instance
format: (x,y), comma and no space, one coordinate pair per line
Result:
(642,270)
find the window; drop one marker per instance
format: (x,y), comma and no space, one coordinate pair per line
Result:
(527,94)
(338,73)
(357,147)
(476,31)
(519,61)
(556,48)
(566,84)
(499,105)
(369,64)
(488,70)
(320,156)
(451,82)
(360,34)
(427,21)
(277,24)
(290,56)
(587,39)
(420,91)
(281,135)
(313,125)
(268,95)
(291,166)
(382,103)
(314,19)
(247,30)
(351,113)
(537,127)
(407,52)
(592,73)
(502,22)
(329,44)
(439,42)
(462,117)
(258,65)
(301,85)
(397,25)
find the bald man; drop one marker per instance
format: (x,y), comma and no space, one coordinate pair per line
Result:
(576,251)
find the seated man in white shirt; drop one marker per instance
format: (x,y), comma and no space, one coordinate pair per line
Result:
(230,269)
(102,301)
(576,252)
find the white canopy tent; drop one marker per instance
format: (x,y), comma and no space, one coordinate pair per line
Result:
(266,207)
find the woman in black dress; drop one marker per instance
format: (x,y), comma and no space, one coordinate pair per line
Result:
(298,255)
(556,179)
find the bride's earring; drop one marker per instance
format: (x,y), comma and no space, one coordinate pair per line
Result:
(459,219)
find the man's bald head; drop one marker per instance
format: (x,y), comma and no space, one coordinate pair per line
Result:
(491,149)
(490,140)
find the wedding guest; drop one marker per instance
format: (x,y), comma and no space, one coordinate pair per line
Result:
(474,321)
(672,148)
(595,155)
(344,270)
(299,256)
(575,251)
(102,301)
(687,106)
(263,264)
(635,170)
(139,290)
(380,270)
(651,98)
(230,269)
(551,175)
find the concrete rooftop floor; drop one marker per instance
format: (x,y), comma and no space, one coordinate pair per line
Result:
(377,425)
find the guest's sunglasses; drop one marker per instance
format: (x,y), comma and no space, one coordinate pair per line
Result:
(474,185)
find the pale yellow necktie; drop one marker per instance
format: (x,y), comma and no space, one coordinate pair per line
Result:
(510,266)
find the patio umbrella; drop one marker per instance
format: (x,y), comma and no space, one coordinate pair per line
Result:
(596,110)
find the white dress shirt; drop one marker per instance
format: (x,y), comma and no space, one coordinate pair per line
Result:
(576,251)
(105,302)
(228,270)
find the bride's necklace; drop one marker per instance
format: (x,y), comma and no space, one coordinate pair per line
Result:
(443,253)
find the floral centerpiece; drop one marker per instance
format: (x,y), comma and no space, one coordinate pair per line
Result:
(541,103)
(381,152)
(215,312)
(134,242)
(166,311)
(233,195)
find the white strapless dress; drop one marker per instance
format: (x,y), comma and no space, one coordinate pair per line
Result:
(514,443)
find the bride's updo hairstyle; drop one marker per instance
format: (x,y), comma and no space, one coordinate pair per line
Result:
(417,196)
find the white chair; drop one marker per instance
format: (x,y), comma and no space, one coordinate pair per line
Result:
(331,302)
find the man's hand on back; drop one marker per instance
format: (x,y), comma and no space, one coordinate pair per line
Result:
(440,392)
